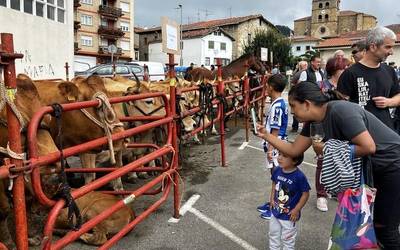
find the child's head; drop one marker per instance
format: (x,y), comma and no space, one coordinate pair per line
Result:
(287,162)
(276,83)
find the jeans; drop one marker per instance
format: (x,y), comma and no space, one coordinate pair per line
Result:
(386,208)
(282,233)
(318,185)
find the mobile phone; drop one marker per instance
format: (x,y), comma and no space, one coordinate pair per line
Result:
(254,118)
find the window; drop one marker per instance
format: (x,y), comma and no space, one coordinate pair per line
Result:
(51,12)
(125,45)
(107,70)
(60,11)
(217,33)
(298,48)
(327,5)
(39,9)
(207,61)
(28,6)
(223,46)
(308,47)
(145,41)
(322,30)
(87,41)
(136,69)
(320,5)
(103,22)
(121,70)
(211,44)
(87,2)
(15,4)
(326,16)
(103,42)
(125,26)
(124,7)
(3,3)
(50,1)
(86,20)
(320,17)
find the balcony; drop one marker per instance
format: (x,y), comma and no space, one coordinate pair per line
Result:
(110,12)
(77,3)
(110,32)
(77,25)
(104,50)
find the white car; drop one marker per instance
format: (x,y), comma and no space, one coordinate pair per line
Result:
(155,70)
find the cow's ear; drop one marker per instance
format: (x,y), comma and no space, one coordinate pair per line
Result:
(69,90)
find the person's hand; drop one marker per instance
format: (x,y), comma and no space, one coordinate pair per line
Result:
(261,131)
(382,102)
(318,147)
(294,215)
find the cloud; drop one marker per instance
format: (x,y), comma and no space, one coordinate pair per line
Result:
(283,12)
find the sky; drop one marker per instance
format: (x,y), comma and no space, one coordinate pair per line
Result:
(282,12)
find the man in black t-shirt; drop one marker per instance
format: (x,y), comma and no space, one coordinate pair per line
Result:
(371,83)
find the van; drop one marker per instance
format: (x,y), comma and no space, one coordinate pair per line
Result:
(155,70)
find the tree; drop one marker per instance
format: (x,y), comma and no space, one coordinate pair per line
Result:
(274,41)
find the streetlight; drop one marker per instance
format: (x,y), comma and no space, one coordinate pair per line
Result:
(181,41)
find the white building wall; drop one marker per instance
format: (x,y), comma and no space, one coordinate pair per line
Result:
(303,46)
(195,50)
(46,44)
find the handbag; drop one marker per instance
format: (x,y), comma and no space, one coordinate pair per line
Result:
(353,225)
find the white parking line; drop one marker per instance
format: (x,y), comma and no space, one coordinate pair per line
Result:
(185,207)
(222,229)
(244,144)
(188,206)
(309,164)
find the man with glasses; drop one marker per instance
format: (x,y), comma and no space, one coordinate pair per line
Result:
(358,50)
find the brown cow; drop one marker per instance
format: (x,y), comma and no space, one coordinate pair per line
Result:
(77,127)
(91,205)
(27,103)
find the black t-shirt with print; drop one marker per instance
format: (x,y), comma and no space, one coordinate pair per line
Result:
(362,83)
(345,120)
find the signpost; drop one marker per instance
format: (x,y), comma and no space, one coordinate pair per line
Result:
(170,36)
(264,54)
(112,49)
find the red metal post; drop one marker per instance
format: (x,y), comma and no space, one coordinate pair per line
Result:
(14,138)
(246,86)
(221,91)
(172,99)
(66,71)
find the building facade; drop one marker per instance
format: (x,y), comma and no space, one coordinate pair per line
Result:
(327,20)
(199,47)
(302,44)
(43,33)
(100,24)
(241,29)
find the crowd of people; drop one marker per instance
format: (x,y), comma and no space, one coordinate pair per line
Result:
(354,100)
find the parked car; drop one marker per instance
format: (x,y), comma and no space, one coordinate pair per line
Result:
(129,70)
(156,70)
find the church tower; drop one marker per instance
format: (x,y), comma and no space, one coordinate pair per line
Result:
(325,18)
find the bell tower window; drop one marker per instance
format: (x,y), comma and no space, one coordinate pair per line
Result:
(321,5)
(327,5)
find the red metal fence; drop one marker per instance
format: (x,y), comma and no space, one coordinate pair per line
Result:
(162,184)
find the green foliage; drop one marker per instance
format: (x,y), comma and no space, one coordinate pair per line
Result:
(279,44)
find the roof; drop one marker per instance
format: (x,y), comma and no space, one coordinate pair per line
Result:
(341,13)
(203,32)
(304,39)
(214,23)
(394,27)
(347,39)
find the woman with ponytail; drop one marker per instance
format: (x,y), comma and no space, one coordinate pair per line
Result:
(346,121)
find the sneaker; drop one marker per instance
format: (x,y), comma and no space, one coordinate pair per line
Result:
(263,208)
(322,204)
(266,215)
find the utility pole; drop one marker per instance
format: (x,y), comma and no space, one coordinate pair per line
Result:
(230,11)
(180,40)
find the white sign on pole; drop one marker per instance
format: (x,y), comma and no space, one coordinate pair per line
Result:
(272,58)
(170,36)
(264,54)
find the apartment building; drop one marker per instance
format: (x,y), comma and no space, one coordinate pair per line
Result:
(43,33)
(99,24)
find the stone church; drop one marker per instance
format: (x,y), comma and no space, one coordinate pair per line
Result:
(327,20)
